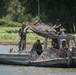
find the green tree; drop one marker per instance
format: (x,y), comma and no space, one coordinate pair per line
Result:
(3,8)
(15,11)
(50,10)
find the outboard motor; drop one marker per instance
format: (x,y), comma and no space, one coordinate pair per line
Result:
(69,62)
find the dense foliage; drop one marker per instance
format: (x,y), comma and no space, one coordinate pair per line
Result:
(50,10)
(9,23)
(9,35)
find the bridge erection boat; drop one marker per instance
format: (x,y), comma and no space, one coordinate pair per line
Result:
(50,56)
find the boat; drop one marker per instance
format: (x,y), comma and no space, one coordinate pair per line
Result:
(50,56)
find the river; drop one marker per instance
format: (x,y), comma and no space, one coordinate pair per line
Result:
(29,70)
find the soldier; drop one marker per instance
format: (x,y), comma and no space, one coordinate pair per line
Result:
(37,47)
(57,26)
(63,49)
(22,34)
(74,49)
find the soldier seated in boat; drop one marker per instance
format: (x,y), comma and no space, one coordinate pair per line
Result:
(63,49)
(74,49)
(37,47)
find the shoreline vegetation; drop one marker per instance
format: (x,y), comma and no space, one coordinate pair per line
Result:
(9,36)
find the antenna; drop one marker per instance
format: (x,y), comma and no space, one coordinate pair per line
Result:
(38,8)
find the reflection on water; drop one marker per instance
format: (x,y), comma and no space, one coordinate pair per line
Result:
(29,70)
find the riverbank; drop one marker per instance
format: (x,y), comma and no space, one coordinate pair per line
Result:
(9,36)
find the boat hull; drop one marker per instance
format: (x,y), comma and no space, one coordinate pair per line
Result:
(25,59)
